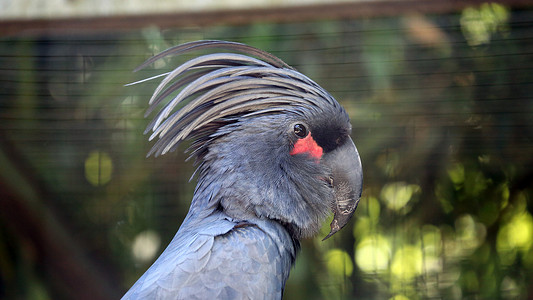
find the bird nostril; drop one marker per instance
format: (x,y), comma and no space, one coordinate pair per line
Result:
(329,181)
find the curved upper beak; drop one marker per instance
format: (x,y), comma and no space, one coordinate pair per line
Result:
(347,182)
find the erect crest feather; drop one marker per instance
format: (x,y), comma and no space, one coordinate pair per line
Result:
(213,90)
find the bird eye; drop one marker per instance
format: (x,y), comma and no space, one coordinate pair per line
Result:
(300,130)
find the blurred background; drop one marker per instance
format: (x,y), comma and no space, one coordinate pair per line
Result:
(440,98)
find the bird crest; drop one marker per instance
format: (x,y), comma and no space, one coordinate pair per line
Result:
(210,91)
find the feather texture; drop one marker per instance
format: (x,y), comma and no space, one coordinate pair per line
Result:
(200,263)
(214,89)
(254,200)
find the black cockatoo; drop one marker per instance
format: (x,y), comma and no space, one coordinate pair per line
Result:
(274,158)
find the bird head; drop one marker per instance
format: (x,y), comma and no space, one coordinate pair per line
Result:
(270,143)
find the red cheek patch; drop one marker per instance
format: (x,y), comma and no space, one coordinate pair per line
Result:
(309,146)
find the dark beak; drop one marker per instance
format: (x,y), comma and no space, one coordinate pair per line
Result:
(347,183)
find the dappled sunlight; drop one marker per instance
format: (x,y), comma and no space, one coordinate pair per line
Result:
(407,263)
(479,24)
(431,247)
(398,194)
(339,263)
(441,110)
(515,237)
(469,235)
(373,254)
(457,174)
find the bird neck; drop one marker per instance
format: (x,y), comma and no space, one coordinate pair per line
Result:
(207,203)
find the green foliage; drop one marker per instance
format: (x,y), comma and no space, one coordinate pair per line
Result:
(441,111)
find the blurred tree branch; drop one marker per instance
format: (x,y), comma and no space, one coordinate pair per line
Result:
(73,274)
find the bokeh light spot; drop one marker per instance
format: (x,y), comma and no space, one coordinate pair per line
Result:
(145,246)
(457,174)
(339,263)
(396,195)
(373,254)
(469,233)
(407,262)
(517,234)
(98,168)
(399,297)
(478,25)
